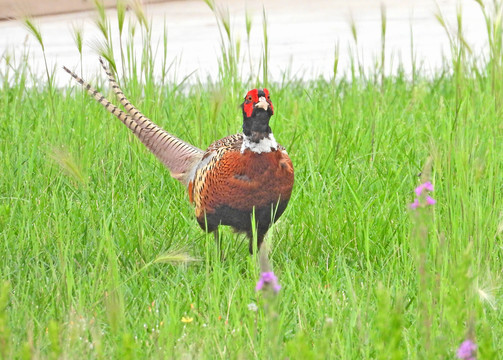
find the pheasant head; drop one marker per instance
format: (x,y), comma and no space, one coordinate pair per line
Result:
(257,111)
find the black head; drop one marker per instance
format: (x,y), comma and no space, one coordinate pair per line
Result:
(257,111)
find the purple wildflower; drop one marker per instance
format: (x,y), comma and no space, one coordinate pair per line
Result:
(268,278)
(422,192)
(430,200)
(426,186)
(467,350)
(415,204)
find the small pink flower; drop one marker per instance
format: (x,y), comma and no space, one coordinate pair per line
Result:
(430,200)
(467,350)
(422,193)
(426,186)
(415,204)
(268,278)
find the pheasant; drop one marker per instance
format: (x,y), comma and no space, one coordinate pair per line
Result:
(240,180)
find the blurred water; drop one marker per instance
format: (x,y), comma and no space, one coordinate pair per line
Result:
(303,36)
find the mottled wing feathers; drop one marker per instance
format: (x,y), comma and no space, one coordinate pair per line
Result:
(211,157)
(231,142)
(177,155)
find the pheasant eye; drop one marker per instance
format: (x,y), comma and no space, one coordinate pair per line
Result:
(249,98)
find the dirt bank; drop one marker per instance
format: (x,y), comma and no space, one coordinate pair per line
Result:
(10,9)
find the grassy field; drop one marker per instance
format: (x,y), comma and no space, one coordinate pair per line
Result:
(101,256)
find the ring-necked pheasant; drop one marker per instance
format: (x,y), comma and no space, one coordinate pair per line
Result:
(238,177)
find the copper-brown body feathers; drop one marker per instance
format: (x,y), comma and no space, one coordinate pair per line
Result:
(248,176)
(230,182)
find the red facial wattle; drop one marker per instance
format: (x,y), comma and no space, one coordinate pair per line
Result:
(248,108)
(251,99)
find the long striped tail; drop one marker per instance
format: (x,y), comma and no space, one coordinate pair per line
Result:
(177,155)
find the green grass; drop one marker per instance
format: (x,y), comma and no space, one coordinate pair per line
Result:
(97,241)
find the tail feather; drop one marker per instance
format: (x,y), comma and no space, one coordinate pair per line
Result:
(177,155)
(136,114)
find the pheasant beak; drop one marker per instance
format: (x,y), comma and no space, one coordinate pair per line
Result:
(262,103)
